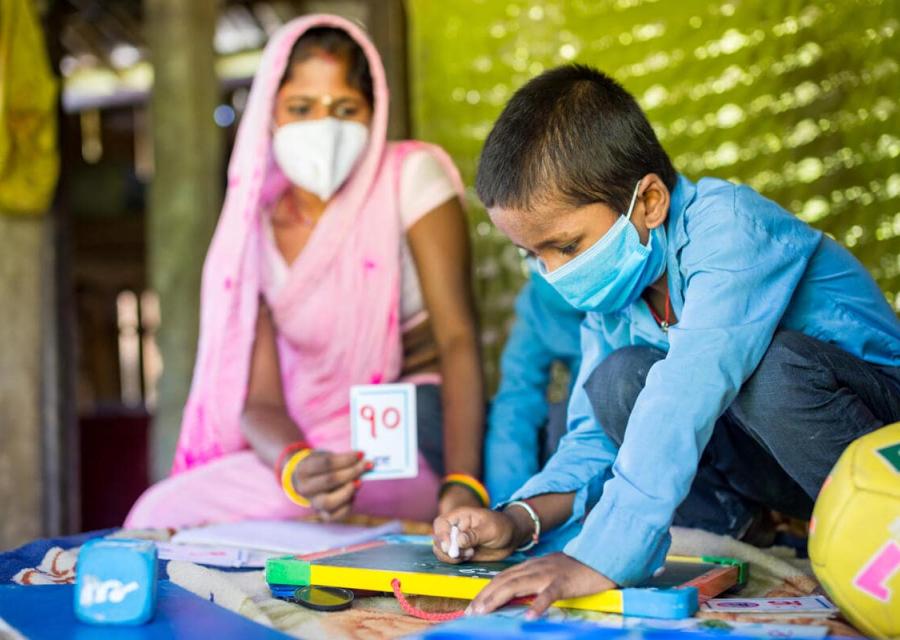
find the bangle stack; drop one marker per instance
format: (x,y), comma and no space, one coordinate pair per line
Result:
(294,453)
(288,450)
(536,536)
(469,482)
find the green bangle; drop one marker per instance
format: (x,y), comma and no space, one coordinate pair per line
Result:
(450,483)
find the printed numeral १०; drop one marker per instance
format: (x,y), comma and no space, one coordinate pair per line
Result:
(390,418)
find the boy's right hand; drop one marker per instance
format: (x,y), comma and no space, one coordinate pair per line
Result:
(330,481)
(484,535)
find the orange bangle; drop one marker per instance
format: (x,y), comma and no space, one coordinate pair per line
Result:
(287,477)
(469,482)
(289,449)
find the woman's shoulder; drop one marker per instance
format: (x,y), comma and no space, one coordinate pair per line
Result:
(427,178)
(416,154)
(425,164)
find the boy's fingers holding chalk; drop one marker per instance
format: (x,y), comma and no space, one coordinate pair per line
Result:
(440,532)
(444,524)
(450,543)
(444,557)
(471,528)
(441,539)
(466,539)
(481,535)
(486,532)
(440,526)
(440,550)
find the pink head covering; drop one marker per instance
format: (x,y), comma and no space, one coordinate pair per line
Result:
(338,314)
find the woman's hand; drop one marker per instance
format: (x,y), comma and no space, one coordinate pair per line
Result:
(484,535)
(455,497)
(330,481)
(548,578)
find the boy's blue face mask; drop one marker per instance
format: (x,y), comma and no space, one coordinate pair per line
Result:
(612,273)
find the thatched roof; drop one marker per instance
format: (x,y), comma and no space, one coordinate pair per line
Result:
(105,59)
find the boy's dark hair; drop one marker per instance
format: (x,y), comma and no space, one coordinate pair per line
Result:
(574,133)
(339,43)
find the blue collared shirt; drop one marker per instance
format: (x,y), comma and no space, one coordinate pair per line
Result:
(546,330)
(739,268)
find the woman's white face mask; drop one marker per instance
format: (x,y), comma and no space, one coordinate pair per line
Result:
(319,155)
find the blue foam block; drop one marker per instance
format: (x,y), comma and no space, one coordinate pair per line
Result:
(46,612)
(116,582)
(672,604)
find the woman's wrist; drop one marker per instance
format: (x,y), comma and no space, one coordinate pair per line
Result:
(469,483)
(286,452)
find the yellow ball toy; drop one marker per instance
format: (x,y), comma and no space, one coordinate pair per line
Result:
(854,540)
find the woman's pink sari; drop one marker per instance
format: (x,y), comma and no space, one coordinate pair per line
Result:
(337,315)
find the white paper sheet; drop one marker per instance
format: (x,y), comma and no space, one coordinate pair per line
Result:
(250,543)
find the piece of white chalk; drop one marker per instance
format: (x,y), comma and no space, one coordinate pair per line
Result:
(453,552)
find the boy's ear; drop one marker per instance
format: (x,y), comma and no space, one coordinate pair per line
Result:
(655,198)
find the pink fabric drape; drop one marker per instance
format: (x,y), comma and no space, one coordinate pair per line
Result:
(337,316)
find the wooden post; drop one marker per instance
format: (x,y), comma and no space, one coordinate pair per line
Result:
(29,166)
(387,24)
(20,361)
(185,196)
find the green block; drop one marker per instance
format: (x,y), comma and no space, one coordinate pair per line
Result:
(743,567)
(287,570)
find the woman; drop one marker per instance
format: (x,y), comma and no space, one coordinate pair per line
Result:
(339,259)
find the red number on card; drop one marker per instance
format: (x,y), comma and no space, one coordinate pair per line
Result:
(390,418)
(367,412)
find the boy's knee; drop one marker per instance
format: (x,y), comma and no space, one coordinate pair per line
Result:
(615,384)
(792,348)
(790,363)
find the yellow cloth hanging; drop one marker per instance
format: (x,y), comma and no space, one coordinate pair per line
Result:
(29,163)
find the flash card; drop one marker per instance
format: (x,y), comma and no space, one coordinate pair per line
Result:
(383,426)
(805,604)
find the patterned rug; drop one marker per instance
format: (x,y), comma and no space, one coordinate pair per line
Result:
(774,572)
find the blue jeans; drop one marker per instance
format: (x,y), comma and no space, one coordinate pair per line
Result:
(430,432)
(776,443)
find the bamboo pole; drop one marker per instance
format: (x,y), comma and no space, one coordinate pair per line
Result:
(185,196)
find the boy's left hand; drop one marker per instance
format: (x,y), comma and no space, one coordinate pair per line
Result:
(455,497)
(548,578)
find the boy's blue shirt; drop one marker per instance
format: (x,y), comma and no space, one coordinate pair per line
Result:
(546,330)
(739,268)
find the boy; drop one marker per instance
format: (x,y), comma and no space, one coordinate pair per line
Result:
(729,353)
